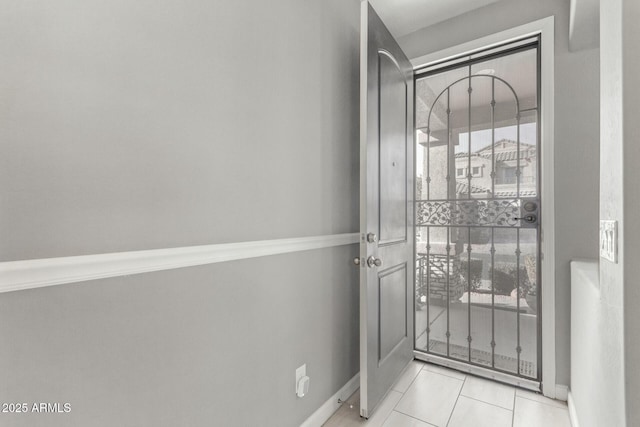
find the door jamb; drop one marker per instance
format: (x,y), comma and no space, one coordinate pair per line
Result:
(545,28)
(364,37)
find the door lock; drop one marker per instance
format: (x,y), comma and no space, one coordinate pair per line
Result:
(372,238)
(374,262)
(529,213)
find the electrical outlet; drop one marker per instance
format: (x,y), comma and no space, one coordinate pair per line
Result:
(609,240)
(300,372)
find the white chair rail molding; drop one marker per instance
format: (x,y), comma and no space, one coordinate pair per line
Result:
(18,275)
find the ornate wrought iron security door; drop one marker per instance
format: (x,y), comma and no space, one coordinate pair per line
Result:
(478,212)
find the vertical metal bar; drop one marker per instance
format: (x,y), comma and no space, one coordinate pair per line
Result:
(469,90)
(469,291)
(448,334)
(493,137)
(518,154)
(493,246)
(428,267)
(428,148)
(448,143)
(422,287)
(416,141)
(469,176)
(493,302)
(518,348)
(448,290)
(518,174)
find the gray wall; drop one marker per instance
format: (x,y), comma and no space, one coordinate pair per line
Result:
(152,124)
(600,394)
(597,383)
(215,345)
(620,200)
(576,134)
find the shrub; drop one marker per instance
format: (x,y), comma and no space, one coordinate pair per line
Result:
(476,273)
(504,280)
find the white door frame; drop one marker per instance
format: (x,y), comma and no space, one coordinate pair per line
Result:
(545,28)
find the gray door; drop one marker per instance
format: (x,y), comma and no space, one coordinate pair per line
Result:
(386,191)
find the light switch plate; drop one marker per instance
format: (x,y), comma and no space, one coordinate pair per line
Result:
(609,240)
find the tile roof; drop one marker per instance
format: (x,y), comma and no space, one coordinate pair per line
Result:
(523,145)
(513,193)
(463,188)
(526,151)
(508,155)
(465,155)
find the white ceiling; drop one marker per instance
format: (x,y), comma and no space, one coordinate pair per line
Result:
(406,16)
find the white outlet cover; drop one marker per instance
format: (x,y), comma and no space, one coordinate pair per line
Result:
(300,373)
(609,240)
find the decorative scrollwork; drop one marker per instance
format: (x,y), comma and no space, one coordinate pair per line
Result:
(492,213)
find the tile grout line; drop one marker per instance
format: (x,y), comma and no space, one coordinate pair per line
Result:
(544,403)
(457,398)
(410,384)
(424,368)
(444,374)
(488,403)
(418,419)
(403,393)
(391,411)
(513,414)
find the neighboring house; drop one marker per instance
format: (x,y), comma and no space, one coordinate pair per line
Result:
(478,165)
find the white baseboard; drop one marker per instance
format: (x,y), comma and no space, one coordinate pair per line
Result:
(327,409)
(573,415)
(562,392)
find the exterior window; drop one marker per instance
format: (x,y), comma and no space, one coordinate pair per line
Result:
(476,171)
(508,176)
(460,172)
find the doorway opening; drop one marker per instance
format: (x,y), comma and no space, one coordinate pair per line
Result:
(478,213)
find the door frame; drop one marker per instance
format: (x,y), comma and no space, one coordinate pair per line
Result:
(545,29)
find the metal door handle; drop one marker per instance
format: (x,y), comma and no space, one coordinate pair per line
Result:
(528,218)
(374,262)
(356,260)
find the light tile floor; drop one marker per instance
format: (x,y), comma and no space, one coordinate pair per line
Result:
(426,395)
